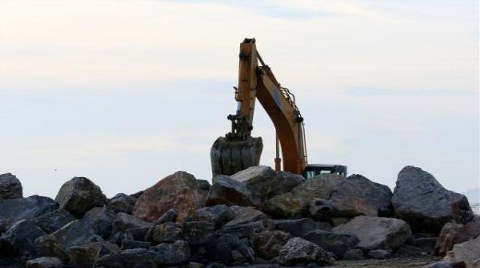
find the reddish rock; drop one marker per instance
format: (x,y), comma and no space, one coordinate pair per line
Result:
(452,234)
(179,191)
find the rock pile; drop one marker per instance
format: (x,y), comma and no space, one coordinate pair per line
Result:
(257,216)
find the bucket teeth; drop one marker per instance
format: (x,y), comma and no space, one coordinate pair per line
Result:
(230,156)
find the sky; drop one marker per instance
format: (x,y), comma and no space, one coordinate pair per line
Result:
(127,92)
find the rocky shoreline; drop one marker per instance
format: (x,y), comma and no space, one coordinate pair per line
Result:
(256,217)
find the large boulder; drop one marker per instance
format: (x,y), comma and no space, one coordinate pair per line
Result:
(468,252)
(76,233)
(86,255)
(198,232)
(454,233)
(22,235)
(376,232)
(267,244)
(357,195)
(339,196)
(167,232)
(13,210)
(266,182)
(54,220)
(228,191)
(79,195)
(296,203)
(134,258)
(420,200)
(298,251)
(244,230)
(44,262)
(122,203)
(124,221)
(179,191)
(101,219)
(174,253)
(10,187)
(245,215)
(297,227)
(336,243)
(166,254)
(218,214)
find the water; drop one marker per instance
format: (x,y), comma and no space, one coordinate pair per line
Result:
(476,208)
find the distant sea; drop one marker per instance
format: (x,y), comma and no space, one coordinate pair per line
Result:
(476,208)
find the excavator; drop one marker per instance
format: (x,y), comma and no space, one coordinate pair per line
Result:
(238,150)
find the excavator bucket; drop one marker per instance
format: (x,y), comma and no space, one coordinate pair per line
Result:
(230,156)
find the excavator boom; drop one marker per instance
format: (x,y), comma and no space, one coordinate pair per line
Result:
(238,149)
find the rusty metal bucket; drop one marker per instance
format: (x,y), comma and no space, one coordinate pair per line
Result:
(230,156)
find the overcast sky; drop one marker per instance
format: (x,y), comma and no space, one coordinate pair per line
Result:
(127,92)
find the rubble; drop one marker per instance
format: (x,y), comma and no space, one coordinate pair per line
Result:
(321,221)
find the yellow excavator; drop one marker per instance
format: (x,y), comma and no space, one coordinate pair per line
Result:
(238,150)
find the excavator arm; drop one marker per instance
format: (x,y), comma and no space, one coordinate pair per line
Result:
(238,149)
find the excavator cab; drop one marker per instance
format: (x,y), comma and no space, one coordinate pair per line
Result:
(318,169)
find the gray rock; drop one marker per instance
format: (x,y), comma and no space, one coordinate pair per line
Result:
(376,232)
(335,197)
(245,215)
(169,216)
(86,255)
(353,196)
(336,243)
(167,232)
(468,252)
(76,233)
(10,187)
(44,262)
(267,244)
(22,235)
(13,210)
(83,256)
(101,219)
(411,251)
(218,214)
(228,191)
(295,227)
(54,220)
(122,203)
(172,253)
(132,258)
(353,254)
(299,251)
(125,221)
(198,232)
(445,264)
(204,187)
(379,253)
(215,251)
(296,203)
(49,246)
(357,195)
(130,244)
(425,204)
(79,195)
(136,233)
(266,182)
(245,230)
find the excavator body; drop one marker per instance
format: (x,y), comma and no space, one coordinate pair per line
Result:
(238,150)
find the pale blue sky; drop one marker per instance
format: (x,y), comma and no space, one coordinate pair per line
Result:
(128,92)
